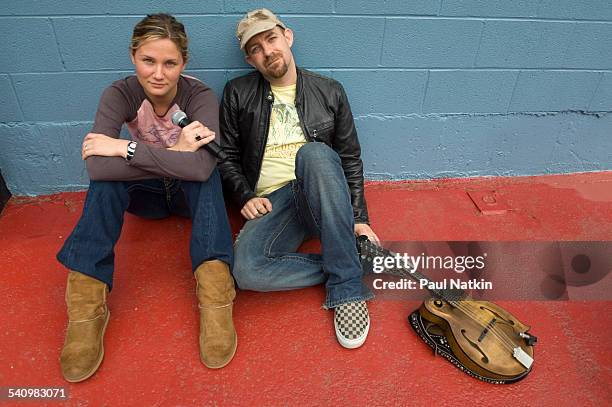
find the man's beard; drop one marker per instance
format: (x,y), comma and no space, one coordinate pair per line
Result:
(280,70)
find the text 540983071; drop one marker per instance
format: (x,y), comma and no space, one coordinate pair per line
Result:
(13,393)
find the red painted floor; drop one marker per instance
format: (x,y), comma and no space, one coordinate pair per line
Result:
(287,353)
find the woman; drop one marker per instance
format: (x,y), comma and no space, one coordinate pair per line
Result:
(162,170)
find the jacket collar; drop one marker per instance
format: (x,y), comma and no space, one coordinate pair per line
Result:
(299,86)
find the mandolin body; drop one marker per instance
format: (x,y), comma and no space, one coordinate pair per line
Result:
(482,336)
(479,337)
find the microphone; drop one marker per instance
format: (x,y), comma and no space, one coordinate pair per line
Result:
(180,119)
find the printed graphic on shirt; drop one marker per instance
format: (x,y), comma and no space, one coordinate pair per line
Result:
(285,137)
(152,129)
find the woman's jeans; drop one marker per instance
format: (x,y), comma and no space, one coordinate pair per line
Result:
(90,247)
(316,204)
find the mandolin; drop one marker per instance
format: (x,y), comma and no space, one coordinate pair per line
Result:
(479,337)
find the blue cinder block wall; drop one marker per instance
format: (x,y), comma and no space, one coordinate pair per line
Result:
(439,88)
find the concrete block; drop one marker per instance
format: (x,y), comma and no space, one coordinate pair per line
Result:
(234,73)
(418,147)
(489,8)
(62,7)
(279,7)
(384,92)
(528,44)
(213,42)
(109,38)
(418,7)
(576,9)
(93,43)
(337,42)
(602,100)
(50,164)
(9,106)
(546,91)
(213,79)
(62,96)
(322,72)
(469,91)
(28,45)
(555,9)
(590,47)
(435,43)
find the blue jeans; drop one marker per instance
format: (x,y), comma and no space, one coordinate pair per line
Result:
(316,204)
(90,247)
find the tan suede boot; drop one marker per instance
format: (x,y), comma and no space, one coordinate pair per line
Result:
(87,319)
(215,291)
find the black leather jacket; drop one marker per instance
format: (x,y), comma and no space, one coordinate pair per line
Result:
(325,116)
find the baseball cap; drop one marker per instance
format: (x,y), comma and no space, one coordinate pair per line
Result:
(255,22)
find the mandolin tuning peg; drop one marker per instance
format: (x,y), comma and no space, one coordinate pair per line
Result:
(529,339)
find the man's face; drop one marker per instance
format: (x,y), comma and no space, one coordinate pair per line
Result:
(270,52)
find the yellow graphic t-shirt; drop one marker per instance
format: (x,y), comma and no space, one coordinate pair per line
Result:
(285,138)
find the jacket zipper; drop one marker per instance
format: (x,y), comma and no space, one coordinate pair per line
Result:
(298,107)
(262,150)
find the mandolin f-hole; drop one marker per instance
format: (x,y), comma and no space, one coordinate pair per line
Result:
(508,321)
(484,358)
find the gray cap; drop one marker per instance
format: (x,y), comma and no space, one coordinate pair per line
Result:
(255,22)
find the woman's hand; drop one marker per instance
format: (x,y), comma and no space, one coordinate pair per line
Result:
(99,144)
(192,137)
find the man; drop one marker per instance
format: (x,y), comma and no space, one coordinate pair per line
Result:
(294,169)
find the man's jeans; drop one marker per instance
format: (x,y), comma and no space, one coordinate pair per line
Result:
(90,247)
(316,204)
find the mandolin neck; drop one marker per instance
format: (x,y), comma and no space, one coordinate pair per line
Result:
(450,296)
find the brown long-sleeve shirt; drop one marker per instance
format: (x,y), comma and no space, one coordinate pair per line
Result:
(125,102)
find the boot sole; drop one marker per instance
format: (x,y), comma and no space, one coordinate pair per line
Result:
(228,359)
(351,343)
(99,361)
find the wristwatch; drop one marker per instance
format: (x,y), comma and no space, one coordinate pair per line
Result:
(131,149)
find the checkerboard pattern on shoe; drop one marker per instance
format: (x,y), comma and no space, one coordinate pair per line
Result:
(352,324)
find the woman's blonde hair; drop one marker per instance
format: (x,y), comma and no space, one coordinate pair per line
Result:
(160,26)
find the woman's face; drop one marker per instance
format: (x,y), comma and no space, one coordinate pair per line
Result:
(159,64)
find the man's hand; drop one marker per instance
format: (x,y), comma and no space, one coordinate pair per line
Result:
(100,144)
(362,229)
(192,137)
(256,208)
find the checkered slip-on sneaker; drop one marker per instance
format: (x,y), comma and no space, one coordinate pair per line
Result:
(352,324)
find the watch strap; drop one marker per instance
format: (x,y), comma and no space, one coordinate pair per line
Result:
(131,149)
